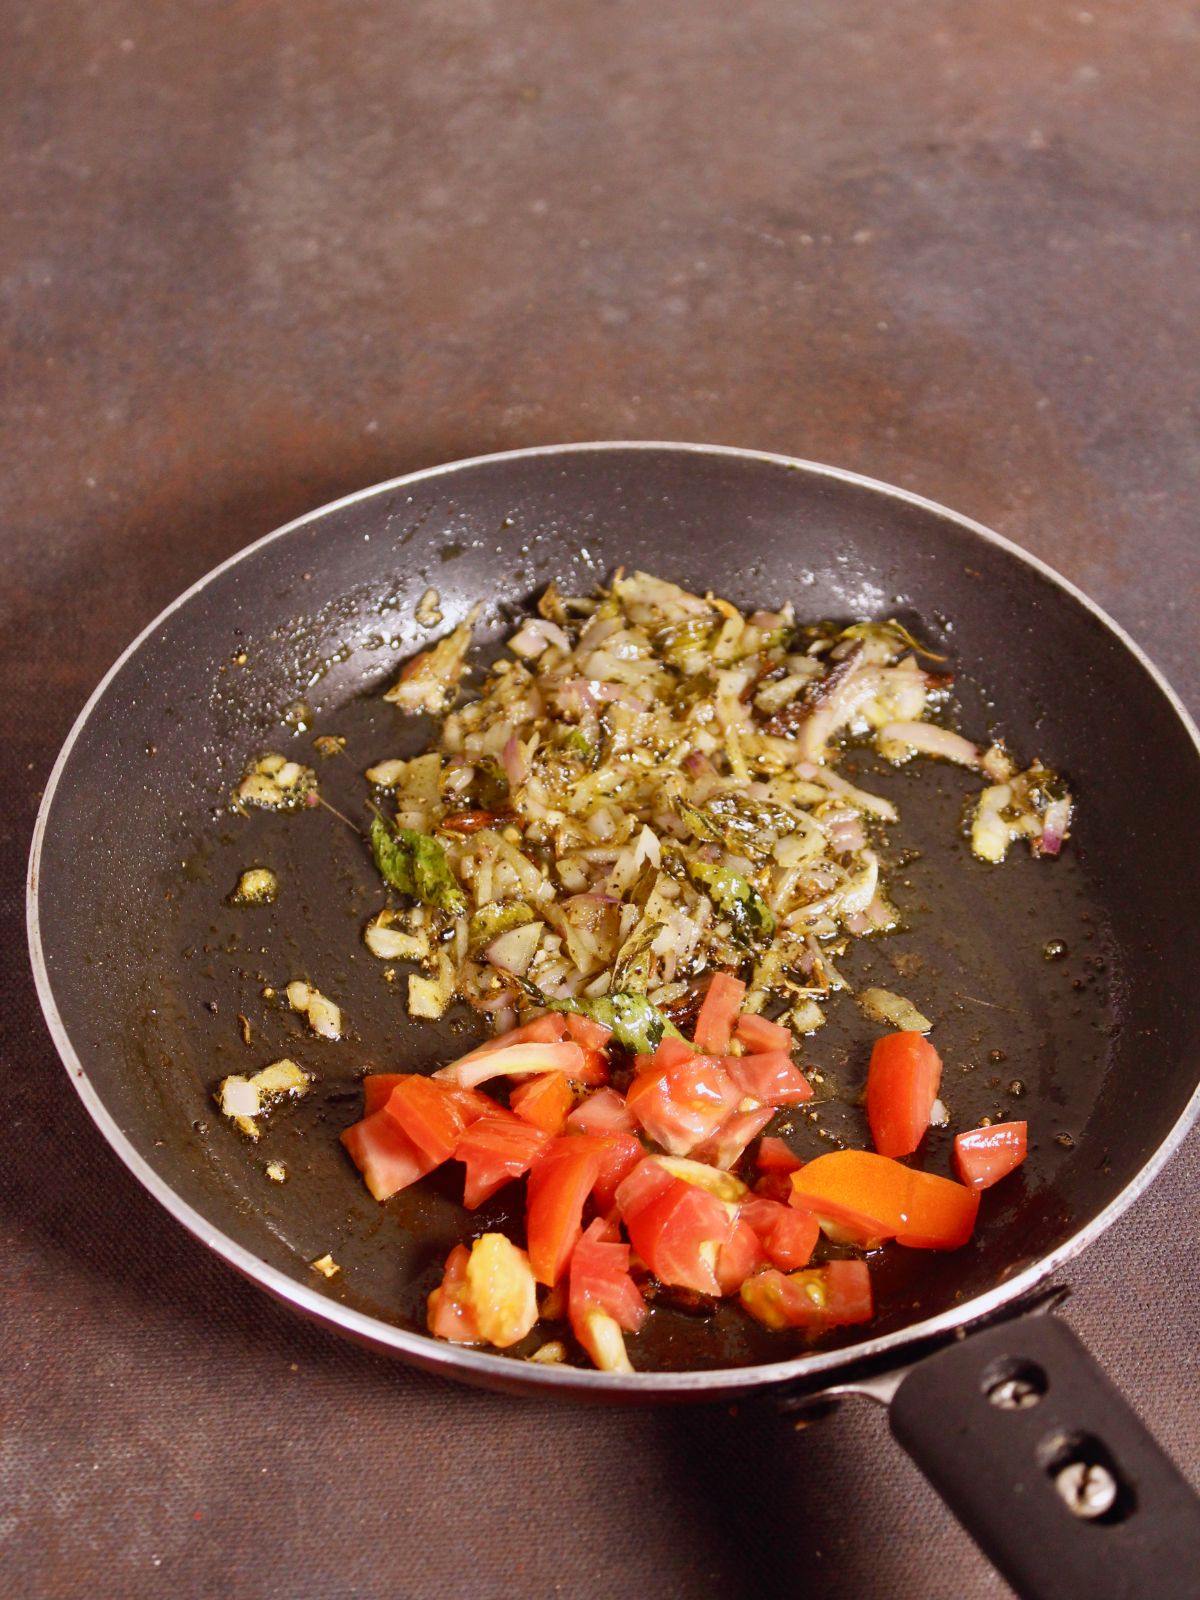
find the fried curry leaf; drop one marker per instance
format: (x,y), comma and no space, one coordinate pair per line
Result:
(637,1026)
(631,969)
(416,865)
(751,917)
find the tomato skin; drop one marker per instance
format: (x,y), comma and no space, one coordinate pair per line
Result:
(643,1183)
(757,1034)
(671,1052)
(788,1236)
(682,1106)
(775,1155)
(449,1312)
(385,1155)
(679,1235)
(982,1156)
(559,1185)
(600,1281)
(875,1197)
(496,1149)
(602,1112)
(428,1115)
(739,1258)
(544,1101)
(586,1031)
(770,1076)
(902,1084)
(837,1294)
(731,1140)
(714,1025)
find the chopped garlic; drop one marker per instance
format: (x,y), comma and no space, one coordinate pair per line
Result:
(881,1005)
(276,784)
(276,1171)
(429,612)
(429,997)
(324,1018)
(552,1353)
(257,886)
(387,774)
(939,1117)
(326,1266)
(807,1016)
(244,1098)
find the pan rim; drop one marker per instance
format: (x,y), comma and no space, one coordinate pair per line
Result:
(479,1366)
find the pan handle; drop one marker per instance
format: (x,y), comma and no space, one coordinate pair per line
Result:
(1048,1468)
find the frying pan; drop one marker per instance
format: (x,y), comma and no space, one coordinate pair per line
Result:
(1052,999)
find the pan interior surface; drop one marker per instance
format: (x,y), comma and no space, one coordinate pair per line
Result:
(147,971)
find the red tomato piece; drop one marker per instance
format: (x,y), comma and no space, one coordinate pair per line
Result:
(496,1149)
(873,1197)
(902,1084)
(428,1115)
(682,1106)
(600,1281)
(602,1112)
(788,1236)
(680,1233)
(739,1258)
(544,1101)
(983,1156)
(378,1086)
(387,1158)
(756,1033)
(558,1187)
(624,1151)
(831,1296)
(586,1031)
(714,1025)
(644,1183)
(594,1070)
(672,1052)
(736,1133)
(775,1155)
(450,1314)
(770,1076)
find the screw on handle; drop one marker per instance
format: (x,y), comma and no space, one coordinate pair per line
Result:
(1048,1468)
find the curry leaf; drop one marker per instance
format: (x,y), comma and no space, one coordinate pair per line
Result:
(415,864)
(751,917)
(636,1025)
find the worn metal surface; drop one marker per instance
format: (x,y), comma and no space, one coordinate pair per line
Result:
(254,255)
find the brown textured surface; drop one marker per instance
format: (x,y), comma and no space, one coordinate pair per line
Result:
(254,255)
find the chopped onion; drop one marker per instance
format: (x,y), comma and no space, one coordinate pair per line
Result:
(898,740)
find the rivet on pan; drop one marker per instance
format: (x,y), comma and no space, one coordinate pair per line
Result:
(1088,1489)
(1014,1394)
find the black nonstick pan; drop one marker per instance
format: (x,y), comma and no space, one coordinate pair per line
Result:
(1063,991)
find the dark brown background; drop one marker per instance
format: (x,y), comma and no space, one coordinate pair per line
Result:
(256,254)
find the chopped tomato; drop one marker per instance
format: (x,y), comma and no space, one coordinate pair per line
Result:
(729,1143)
(513,1061)
(788,1236)
(377,1087)
(821,1297)
(770,1076)
(545,1101)
(681,1106)
(449,1314)
(428,1115)
(679,1234)
(736,1260)
(623,1152)
(756,1033)
(600,1279)
(714,1025)
(496,1149)
(602,1112)
(671,1052)
(871,1197)
(594,1070)
(775,1155)
(902,1084)
(558,1186)
(985,1155)
(590,1034)
(387,1158)
(643,1183)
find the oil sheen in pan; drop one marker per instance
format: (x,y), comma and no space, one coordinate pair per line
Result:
(1012,963)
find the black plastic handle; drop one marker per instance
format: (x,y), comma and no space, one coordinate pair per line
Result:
(1048,1468)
